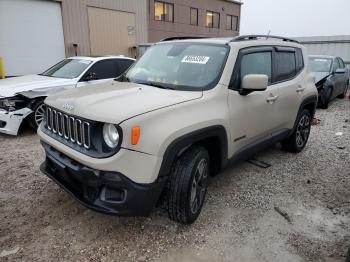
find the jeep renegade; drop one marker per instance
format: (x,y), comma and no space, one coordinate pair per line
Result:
(186,109)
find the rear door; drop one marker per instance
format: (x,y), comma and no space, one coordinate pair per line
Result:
(289,85)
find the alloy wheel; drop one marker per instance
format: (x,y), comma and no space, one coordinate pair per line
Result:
(303,130)
(39,114)
(199,183)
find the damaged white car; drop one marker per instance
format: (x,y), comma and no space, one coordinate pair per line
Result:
(21,98)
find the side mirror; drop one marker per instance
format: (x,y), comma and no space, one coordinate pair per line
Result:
(254,82)
(340,71)
(90,76)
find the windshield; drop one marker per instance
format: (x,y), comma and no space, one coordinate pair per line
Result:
(320,64)
(181,66)
(68,68)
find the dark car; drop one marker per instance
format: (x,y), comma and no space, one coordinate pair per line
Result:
(331,78)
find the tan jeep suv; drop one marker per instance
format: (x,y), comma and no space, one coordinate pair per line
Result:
(186,109)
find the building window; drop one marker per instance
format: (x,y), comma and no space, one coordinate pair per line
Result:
(194,16)
(163,11)
(212,19)
(232,22)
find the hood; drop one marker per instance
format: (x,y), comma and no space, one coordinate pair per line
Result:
(11,86)
(114,102)
(320,76)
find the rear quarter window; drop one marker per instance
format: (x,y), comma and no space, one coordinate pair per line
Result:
(300,60)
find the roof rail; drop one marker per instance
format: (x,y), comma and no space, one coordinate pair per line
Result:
(256,37)
(182,38)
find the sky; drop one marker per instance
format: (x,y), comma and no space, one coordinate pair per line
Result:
(296,17)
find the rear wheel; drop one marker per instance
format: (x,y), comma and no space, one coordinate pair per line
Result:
(188,185)
(298,139)
(37,116)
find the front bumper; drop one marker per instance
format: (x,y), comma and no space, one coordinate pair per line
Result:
(11,121)
(103,191)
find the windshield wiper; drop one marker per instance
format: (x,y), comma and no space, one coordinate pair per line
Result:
(42,74)
(158,85)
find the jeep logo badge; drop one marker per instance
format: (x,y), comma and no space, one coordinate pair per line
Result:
(68,107)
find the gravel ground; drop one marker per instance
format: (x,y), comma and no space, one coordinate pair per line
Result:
(40,222)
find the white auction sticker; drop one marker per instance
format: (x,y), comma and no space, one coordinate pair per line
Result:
(193,59)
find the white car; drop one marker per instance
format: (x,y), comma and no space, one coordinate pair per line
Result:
(21,98)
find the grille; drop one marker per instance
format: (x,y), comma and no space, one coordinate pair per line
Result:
(68,127)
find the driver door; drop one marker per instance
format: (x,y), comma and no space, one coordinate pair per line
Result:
(251,116)
(343,78)
(336,79)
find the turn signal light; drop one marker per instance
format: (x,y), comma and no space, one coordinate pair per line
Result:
(135,135)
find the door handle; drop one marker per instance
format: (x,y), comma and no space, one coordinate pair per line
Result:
(300,89)
(271,99)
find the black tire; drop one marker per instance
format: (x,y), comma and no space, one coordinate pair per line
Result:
(185,196)
(325,98)
(296,142)
(343,95)
(37,116)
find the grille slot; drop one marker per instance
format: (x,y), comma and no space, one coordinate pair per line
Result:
(68,127)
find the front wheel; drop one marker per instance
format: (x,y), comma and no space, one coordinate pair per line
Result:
(37,116)
(296,142)
(188,185)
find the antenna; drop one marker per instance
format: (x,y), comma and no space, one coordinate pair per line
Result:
(268,34)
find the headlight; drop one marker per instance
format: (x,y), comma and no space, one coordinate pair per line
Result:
(9,103)
(12,103)
(111,135)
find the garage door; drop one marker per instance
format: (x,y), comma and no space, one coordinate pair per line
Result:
(111,32)
(31,35)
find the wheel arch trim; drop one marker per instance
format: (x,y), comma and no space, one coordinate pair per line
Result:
(182,143)
(310,100)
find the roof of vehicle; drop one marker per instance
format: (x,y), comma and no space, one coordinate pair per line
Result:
(98,58)
(239,40)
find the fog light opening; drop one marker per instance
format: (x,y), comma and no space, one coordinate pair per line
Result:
(112,196)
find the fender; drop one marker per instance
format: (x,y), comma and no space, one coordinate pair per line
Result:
(309,102)
(44,92)
(179,145)
(319,83)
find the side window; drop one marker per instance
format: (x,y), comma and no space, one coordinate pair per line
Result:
(341,63)
(336,65)
(123,65)
(103,70)
(256,63)
(300,60)
(285,66)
